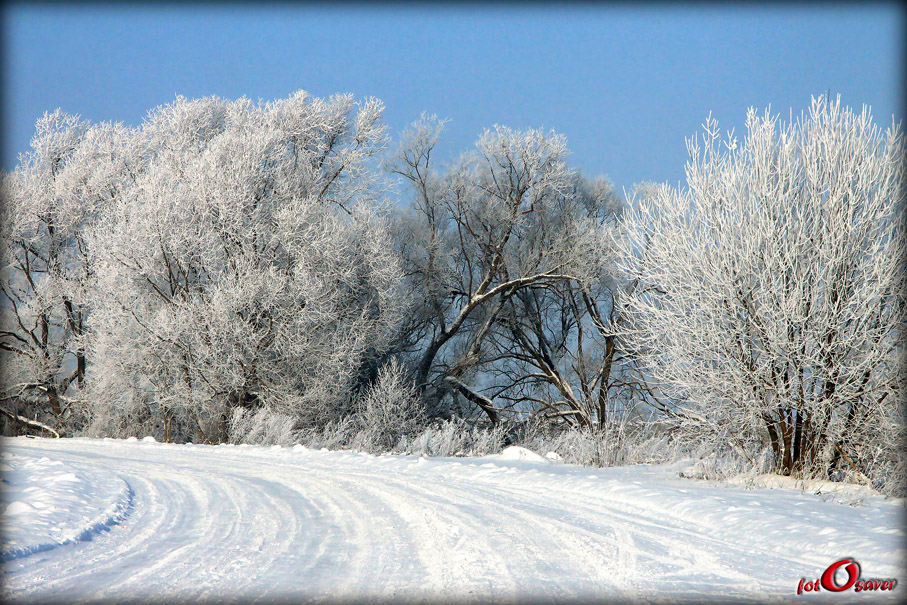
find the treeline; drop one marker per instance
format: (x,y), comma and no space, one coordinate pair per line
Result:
(228,266)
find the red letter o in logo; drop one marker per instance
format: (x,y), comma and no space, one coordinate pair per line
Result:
(828,577)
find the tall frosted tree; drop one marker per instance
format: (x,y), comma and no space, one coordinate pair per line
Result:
(247,266)
(72,174)
(768,294)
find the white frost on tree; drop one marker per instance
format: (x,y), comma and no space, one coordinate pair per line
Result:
(248,266)
(73,173)
(768,295)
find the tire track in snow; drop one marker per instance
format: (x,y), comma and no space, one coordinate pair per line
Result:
(255,524)
(685,550)
(541,551)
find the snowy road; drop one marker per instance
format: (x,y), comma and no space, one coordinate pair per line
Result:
(98,520)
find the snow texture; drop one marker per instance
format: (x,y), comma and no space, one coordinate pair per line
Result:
(47,503)
(113,519)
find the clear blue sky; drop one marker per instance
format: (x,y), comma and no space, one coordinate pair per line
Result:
(625,83)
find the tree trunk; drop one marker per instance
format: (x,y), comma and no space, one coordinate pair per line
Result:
(796,460)
(773,437)
(53,399)
(428,358)
(603,384)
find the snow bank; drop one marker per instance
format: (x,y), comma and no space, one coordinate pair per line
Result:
(515,452)
(845,493)
(46,503)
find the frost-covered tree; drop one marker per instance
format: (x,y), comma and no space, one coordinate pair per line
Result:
(506,225)
(768,295)
(73,174)
(248,266)
(555,346)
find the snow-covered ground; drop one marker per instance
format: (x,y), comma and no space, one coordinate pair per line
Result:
(112,520)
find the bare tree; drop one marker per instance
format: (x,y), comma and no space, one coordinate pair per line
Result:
(504,226)
(557,348)
(769,296)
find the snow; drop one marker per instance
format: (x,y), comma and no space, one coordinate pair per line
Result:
(514,452)
(51,503)
(17,508)
(114,519)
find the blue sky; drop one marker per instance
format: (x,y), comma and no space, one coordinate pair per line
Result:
(625,83)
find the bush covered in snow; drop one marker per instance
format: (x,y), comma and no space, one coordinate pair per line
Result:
(261,427)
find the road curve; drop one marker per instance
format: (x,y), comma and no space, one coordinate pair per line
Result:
(255,524)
